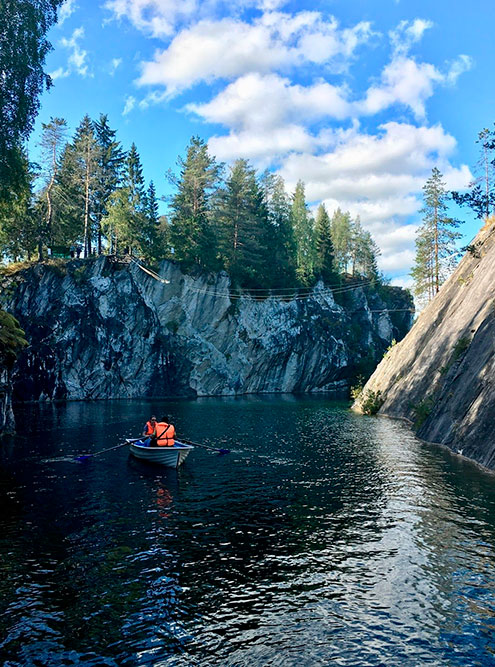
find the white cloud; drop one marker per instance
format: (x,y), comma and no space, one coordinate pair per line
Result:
(77,58)
(308,127)
(130,103)
(230,48)
(462,64)
(408,33)
(268,101)
(262,149)
(66,10)
(59,73)
(114,65)
(403,81)
(156,17)
(404,281)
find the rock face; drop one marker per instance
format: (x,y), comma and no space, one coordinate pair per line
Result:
(441,376)
(100,329)
(7,424)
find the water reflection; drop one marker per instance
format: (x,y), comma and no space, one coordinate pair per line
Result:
(323,537)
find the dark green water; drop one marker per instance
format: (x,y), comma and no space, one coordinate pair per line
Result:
(341,540)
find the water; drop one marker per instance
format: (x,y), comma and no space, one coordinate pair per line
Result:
(339,539)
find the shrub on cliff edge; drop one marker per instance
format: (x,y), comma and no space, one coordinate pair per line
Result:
(11,338)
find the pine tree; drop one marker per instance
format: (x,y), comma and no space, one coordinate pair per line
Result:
(191,233)
(133,177)
(481,196)
(68,197)
(341,231)
(324,264)
(153,239)
(435,245)
(363,252)
(52,143)
(87,155)
(302,224)
(122,222)
(110,161)
(244,228)
(126,223)
(283,245)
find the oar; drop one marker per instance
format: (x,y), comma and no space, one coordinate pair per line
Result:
(213,449)
(84,457)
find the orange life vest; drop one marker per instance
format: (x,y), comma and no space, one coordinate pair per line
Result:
(165,434)
(149,428)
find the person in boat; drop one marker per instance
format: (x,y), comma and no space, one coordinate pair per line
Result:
(149,427)
(164,434)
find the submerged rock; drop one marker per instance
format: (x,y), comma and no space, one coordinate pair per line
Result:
(102,329)
(441,376)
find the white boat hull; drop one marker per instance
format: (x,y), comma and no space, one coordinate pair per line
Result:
(172,457)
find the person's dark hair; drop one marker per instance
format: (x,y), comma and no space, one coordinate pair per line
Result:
(165,419)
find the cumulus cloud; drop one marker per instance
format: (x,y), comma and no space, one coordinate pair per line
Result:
(404,82)
(285,100)
(77,61)
(379,178)
(268,101)
(230,48)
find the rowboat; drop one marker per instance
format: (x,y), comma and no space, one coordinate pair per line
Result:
(172,457)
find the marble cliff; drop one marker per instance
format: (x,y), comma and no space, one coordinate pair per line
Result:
(102,329)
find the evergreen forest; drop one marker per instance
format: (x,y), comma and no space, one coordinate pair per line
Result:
(87,196)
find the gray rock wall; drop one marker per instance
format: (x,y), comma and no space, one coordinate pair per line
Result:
(441,376)
(99,329)
(7,424)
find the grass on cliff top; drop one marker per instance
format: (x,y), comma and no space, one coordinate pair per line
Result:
(15,267)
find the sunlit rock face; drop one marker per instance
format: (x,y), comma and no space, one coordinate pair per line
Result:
(100,329)
(441,376)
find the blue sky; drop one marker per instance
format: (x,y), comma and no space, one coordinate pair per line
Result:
(358,98)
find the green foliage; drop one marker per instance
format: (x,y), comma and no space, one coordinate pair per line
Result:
(435,240)
(109,164)
(324,261)
(387,351)
(341,238)
(422,411)
(23,49)
(52,143)
(357,388)
(12,338)
(303,226)
(19,220)
(371,402)
(283,242)
(481,197)
(460,347)
(191,234)
(243,228)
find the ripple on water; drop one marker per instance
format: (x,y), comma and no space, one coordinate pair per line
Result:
(339,540)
